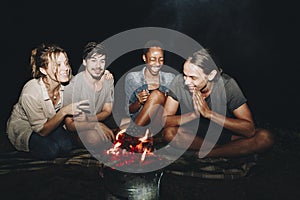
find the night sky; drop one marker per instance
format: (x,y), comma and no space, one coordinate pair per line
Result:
(254,41)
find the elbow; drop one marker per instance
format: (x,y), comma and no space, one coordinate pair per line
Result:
(43,133)
(164,123)
(70,126)
(251,130)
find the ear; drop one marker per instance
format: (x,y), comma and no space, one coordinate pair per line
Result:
(212,75)
(84,62)
(43,71)
(144,58)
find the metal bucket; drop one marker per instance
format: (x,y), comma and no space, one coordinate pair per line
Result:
(123,185)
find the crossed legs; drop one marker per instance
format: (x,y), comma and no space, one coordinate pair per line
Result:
(239,146)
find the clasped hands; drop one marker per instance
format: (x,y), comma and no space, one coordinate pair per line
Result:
(200,105)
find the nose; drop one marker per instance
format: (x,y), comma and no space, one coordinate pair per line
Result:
(99,65)
(65,67)
(187,81)
(158,62)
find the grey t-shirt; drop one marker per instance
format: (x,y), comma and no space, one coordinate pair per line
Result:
(78,89)
(225,97)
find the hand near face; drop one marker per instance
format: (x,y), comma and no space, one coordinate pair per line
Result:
(143,96)
(200,105)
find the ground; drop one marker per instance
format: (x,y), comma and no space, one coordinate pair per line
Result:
(276,176)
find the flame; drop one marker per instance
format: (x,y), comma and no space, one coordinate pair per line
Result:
(126,145)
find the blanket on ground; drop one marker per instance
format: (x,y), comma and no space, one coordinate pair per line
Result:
(206,168)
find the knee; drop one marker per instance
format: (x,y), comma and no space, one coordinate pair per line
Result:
(49,152)
(169,133)
(264,139)
(90,138)
(157,97)
(66,145)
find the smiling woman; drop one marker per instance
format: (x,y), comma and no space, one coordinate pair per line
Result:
(35,122)
(146,90)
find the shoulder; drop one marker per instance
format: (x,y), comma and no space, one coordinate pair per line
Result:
(229,81)
(109,82)
(178,78)
(134,76)
(131,75)
(77,77)
(168,75)
(177,82)
(32,86)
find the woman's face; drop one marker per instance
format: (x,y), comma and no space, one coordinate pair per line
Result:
(59,69)
(154,60)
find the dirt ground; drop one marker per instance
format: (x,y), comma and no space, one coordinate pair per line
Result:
(276,176)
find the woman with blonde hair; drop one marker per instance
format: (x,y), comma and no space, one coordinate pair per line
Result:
(35,123)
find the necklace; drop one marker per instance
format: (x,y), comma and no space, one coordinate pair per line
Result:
(54,97)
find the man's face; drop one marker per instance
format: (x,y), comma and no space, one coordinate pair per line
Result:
(194,77)
(154,60)
(95,65)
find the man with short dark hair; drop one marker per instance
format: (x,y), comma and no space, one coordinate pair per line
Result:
(91,84)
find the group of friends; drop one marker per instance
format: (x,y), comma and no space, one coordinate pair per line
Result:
(201,108)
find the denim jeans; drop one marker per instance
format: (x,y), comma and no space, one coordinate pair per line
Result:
(57,143)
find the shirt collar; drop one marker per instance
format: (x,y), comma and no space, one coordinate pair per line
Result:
(44,90)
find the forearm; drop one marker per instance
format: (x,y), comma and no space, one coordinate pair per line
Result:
(82,125)
(239,126)
(52,123)
(102,115)
(178,120)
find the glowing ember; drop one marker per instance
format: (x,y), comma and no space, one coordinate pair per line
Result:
(128,149)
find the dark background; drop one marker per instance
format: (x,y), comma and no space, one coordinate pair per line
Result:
(254,41)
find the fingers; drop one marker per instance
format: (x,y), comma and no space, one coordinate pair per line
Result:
(108,75)
(107,132)
(84,103)
(143,96)
(83,106)
(110,135)
(196,106)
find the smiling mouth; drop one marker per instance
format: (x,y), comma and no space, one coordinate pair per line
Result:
(98,71)
(64,74)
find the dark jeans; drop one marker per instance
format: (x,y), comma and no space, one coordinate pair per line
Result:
(57,143)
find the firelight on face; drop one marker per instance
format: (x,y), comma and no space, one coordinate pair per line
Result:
(194,77)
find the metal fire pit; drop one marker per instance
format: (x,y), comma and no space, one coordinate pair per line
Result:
(124,185)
